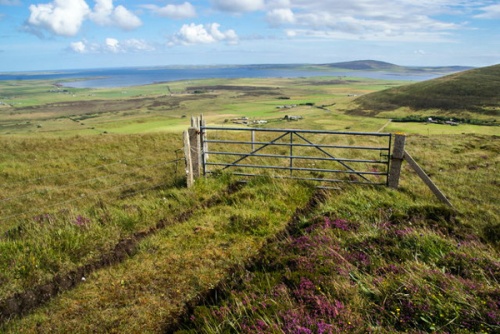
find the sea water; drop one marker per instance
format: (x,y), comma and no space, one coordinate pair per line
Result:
(123,77)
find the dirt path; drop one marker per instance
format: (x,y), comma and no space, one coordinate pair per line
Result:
(385,125)
(23,302)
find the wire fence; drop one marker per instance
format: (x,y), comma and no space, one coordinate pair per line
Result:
(117,180)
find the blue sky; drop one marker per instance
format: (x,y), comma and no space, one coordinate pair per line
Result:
(72,34)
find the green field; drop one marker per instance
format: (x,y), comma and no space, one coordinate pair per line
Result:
(99,234)
(33,109)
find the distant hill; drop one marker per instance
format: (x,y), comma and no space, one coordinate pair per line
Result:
(365,65)
(375,65)
(475,90)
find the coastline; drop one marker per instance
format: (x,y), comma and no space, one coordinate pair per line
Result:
(126,77)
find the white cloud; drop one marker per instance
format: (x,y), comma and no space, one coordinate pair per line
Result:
(280,16)
(106,14)
(238,6)
(184,11)
(365,19)
(78,47)
(137,45)
(198,34)
(273,4)
(103,10)
(111,45)
(490,12)
(65,17)
(61,17)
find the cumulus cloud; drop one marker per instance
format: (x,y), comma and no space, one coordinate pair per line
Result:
(184,11)
(280,16)
(106,14)
(61,17)
(203,34)
(111,45)
(238,6)
(65,17)
(78,47)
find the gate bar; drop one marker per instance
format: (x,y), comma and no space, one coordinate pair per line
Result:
(375,134)
(299,169)
(309,179)
(298,157)
(368,148)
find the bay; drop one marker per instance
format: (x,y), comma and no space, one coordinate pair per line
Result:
(134,76)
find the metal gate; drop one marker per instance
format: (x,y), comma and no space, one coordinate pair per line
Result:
(321,156)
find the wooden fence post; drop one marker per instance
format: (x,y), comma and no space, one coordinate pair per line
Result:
(203,138)
(189,163)
(194,142)
(420,172)
(398,153)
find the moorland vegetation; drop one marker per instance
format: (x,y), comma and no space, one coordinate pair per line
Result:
(98,232)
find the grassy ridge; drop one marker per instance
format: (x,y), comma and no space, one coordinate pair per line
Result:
(474,90)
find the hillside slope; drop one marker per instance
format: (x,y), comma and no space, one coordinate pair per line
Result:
(474,90)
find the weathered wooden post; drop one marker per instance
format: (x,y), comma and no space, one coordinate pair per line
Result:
(203,139)
(398,153)
(427,180)
(194,143)
(189,163)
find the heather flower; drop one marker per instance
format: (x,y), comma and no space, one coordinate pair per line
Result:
(340,224)
(81,221)
(43,218)
(337,223)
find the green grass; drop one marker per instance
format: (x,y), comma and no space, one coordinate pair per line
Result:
(43,175)
(441,129)
(380,260)
(387,261)
(474,91)
(173,266)
(367,261)
(34,110)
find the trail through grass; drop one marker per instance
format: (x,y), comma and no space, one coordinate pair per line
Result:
(147,292)
(366,262)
